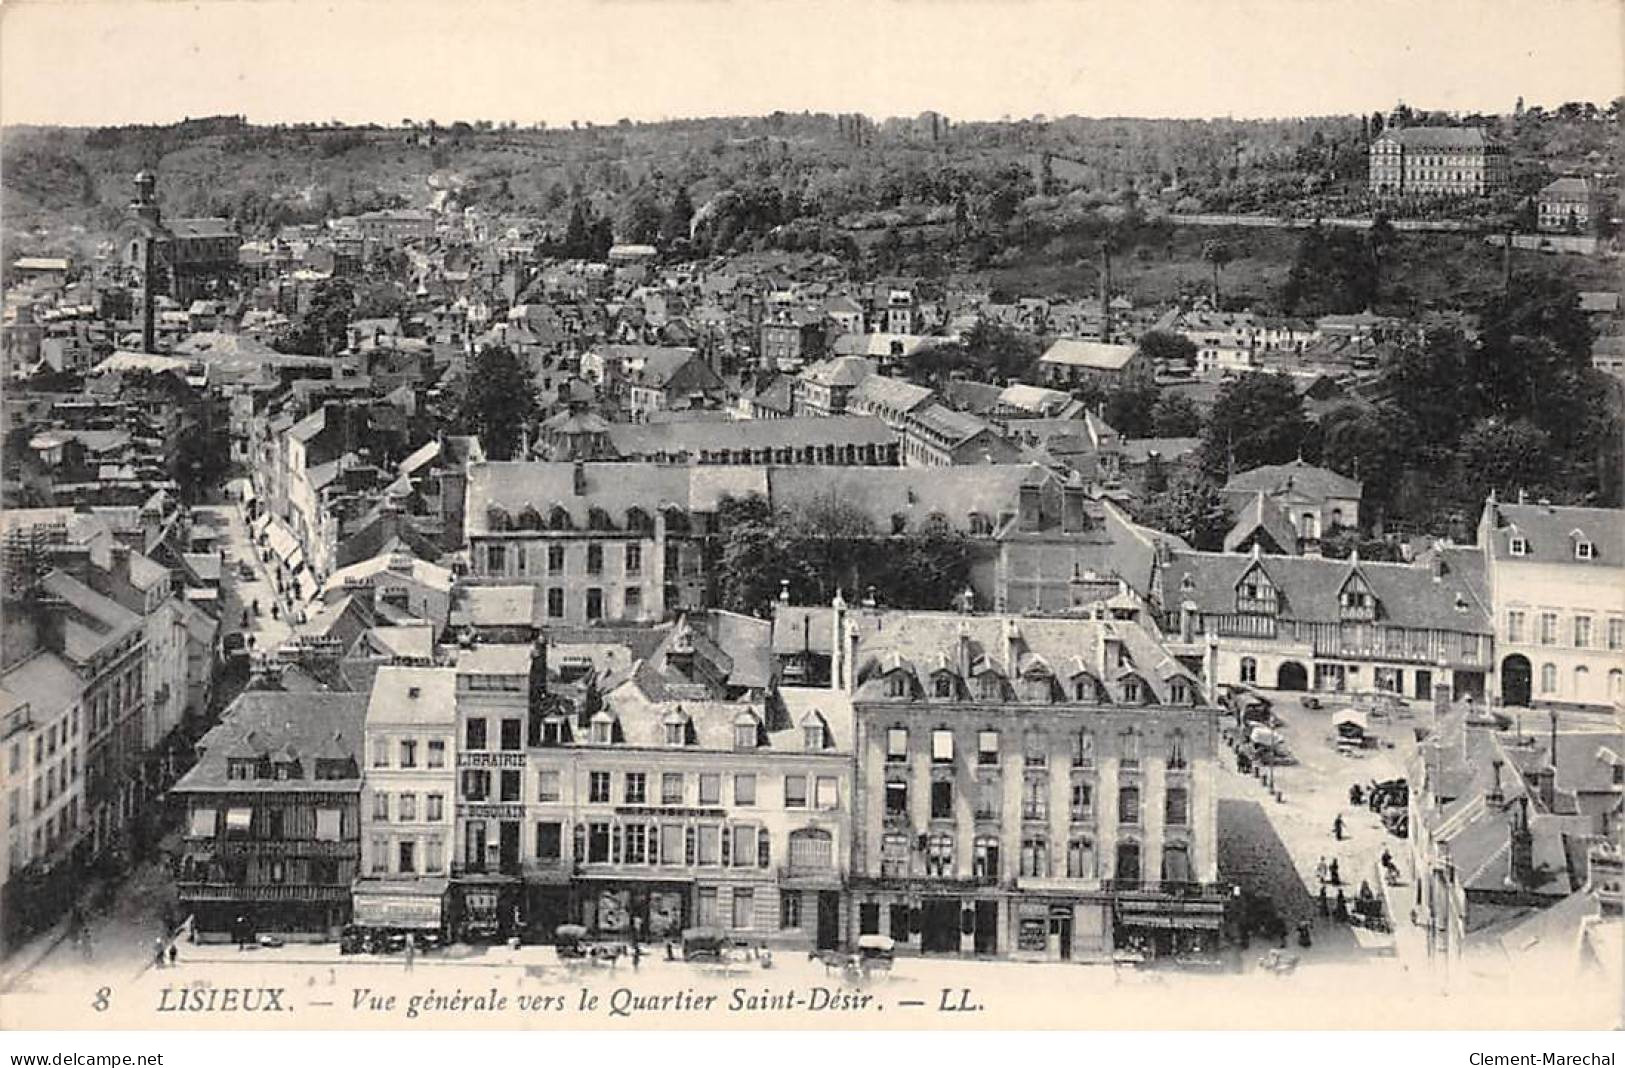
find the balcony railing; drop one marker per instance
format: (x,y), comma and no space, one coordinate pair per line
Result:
(195,891)
(1163,889)
(307,848)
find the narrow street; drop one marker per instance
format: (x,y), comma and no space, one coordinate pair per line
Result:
(239,594)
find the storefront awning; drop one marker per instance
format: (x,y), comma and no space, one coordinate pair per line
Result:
(1187,921)
(259,523)
(281,540)
(408,904)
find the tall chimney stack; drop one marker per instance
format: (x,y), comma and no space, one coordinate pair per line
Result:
(1105,292)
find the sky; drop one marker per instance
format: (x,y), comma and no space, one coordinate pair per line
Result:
(108,62)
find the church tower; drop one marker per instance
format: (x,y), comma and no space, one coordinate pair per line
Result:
(144,256)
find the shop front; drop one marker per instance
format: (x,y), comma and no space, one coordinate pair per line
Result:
(400,905)
(1160,929)
(1059,929)
(486,908)
(653,911)
(928,918)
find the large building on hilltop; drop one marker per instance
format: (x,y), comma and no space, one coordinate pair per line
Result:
(1436,161)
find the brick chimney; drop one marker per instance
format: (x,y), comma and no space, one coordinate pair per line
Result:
(1105,293)
(1074,518)
(1494,796)
(1031,512)
(579,479)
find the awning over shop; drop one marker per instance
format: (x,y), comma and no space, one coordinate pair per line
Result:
(417,904)
(258,525)
(281,539)
(1187,921)
(296,559)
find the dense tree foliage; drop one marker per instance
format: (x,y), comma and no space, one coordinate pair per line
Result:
(500,402)
(825,545)
(987,352)
(1191,507)
(324,327)
(1258,419)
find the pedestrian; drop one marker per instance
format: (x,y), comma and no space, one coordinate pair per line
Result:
(158,952)
(1324,905)
(1334,876)
(172,954)
(411,948)
(1337,827)
(637,953)
(1321,870)
(1387,859)
(1341,911)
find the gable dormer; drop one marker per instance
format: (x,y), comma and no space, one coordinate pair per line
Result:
(604,728)
(748,732)
(1256,592)
(1355,599)
(1583,547)
(677,729)
(815,733)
